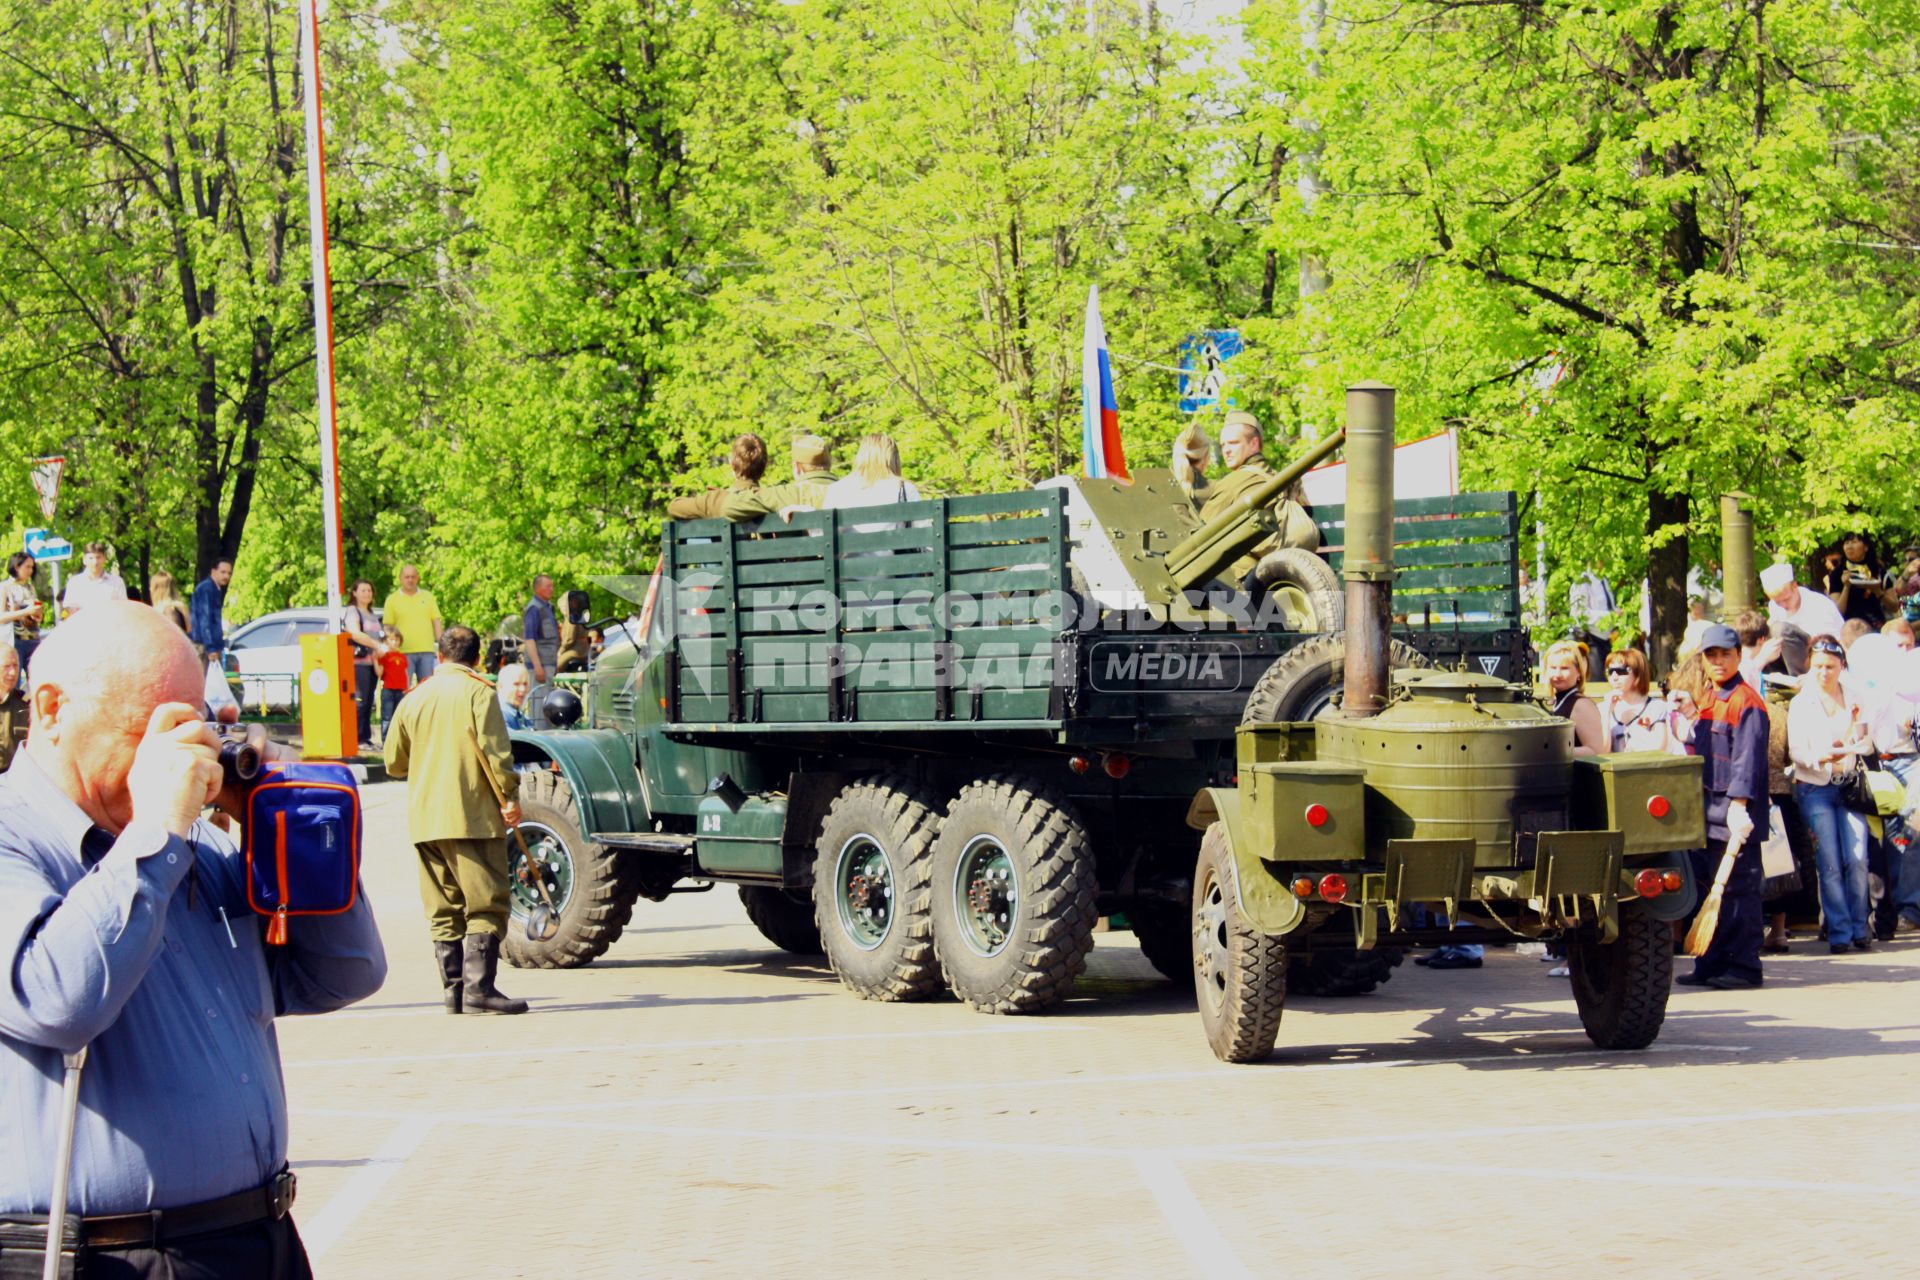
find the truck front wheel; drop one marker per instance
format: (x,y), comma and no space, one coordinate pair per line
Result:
(873,865)
(1239,974)
(590,892)
(1621,987)
(1013,896)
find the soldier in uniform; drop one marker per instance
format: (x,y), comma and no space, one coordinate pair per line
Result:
(446,736)
(749,463)
(812,473)
(14,710)
(1731,738)
(1247,469)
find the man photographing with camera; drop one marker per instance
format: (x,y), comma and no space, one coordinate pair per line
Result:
(124,926)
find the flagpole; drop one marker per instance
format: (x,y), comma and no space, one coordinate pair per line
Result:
(322,315)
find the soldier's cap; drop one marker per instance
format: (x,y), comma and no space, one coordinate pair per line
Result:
(1775,576)
(1719,636)
(811,453)
(1241,418)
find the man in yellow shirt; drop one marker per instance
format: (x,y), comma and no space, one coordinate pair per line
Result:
(416,613)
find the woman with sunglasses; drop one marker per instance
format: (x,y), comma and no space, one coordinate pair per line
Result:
(1826,738)
(1635,720)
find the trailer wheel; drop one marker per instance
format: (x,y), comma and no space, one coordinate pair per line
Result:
(1239,973)
(1308,585)
(1621,987)
(1013,896)
(1165,933)
(871,898)
(782,919)
(1343,972)
(1306,679)
(591,890)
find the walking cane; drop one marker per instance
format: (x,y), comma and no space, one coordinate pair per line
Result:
(63,1161)
(544,920)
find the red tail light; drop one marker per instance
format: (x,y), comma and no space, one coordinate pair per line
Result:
(1116,766)
(1659,807)
(1649,883)
(1079,764)
(1317,815)
(1333,887)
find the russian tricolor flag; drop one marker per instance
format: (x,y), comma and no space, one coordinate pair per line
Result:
(1099,411)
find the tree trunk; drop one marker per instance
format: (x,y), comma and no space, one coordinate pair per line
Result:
(1666,577)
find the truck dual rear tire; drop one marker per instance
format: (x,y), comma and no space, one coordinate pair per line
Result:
(782,919)
(872,873)
(1013,895)
(1239,973)
(585,879)
(1621,987)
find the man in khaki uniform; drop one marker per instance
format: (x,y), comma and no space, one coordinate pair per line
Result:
(749,463)
(446,737)
(812,473)
(14,709)
(1240,447)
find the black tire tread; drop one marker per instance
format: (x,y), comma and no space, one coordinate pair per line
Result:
(1060,895)
(783,920)
(915,971)
(1299,567)
(1630,1016)
(1165,935)
(1306,666)
(600,881)
(1342,973)
(1256,998)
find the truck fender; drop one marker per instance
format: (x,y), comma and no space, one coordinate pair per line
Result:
(598,765)
(1266,902)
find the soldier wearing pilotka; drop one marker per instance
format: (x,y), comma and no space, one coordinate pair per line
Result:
(447,737)
(812,473)
(1240,446)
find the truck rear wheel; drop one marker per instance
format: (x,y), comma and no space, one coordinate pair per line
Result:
(590,892)
(1308,678)
(1013,896)
(1309,584)
(782,919)
(1165,933)
(1343,972)
(871,898)
(1239,973)
(1621,987)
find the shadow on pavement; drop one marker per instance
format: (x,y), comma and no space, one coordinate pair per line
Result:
(647,1000)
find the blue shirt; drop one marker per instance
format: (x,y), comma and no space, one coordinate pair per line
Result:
(203,617)
(104,942)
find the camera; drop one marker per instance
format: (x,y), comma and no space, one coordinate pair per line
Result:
(243,752)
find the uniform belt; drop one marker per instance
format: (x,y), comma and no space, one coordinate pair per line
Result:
(136,1230)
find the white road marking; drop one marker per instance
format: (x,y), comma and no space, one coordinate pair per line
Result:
(364,1186)
(1560,1172)
(659,1046)
(1188,1218)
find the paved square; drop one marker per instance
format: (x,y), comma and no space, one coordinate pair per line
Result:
(696,1103)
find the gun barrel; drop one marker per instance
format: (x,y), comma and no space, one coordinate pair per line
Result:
(1202,554)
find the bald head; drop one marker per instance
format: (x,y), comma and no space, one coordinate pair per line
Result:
(96,680)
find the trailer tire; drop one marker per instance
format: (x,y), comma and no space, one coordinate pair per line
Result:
(872,902)
(1306,679)
(1165,933)
(1313,580)
(1018,951)
(1343,972)
(782,919)
(1239,973)
(590,883)
(1621,987)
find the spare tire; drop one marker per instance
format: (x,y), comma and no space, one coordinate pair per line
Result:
(1309,584)
(1307,679)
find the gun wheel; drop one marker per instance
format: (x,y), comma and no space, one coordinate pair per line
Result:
(1240,974)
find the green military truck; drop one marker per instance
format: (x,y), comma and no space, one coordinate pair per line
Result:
(938,741)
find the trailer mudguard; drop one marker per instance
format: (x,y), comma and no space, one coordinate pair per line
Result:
(598,765)
(1266,902)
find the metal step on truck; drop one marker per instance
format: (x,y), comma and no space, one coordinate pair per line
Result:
(939,741)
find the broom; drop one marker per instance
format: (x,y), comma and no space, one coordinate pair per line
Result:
(1701,935)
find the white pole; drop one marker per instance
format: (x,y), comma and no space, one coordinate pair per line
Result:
(322,310)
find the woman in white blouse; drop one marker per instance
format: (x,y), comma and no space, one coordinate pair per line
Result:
(1826,738)
(1635,720)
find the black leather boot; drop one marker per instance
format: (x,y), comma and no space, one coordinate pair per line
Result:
(482,960)
(448,956)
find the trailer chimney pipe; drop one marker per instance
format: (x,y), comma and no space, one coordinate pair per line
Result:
(1736,555)
(1367,563)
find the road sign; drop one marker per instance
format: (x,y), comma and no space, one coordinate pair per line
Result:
(1203,377)
(42,546)
(46,482)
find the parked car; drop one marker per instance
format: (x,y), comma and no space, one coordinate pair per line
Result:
(263,658)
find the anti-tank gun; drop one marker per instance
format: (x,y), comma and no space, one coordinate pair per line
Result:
(1431,807)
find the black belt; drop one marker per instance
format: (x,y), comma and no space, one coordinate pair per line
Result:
(138,1230)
